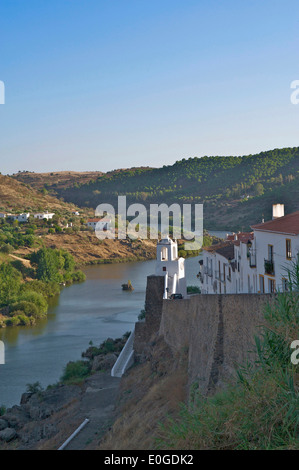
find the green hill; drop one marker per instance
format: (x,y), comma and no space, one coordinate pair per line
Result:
(236,191)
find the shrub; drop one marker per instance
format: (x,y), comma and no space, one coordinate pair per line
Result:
(193,290)
(75,372)
(34,388)
(27,308)
(78,276)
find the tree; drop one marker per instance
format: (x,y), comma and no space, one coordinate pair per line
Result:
(258,189)
(9,283)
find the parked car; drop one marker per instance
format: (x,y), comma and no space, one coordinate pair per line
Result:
(176,296)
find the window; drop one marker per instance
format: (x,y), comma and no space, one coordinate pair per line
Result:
(285,285)
(270,253)
(271,286)
(262,285)
(288,249)
(164,254)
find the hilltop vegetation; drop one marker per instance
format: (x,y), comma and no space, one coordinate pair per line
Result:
(235,191)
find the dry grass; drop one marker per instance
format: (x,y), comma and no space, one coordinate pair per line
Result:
(18,197)
(148,397)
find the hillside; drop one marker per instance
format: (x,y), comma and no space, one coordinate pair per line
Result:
(17,196)
(236,191)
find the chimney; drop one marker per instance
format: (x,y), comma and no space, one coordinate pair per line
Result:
(277,211)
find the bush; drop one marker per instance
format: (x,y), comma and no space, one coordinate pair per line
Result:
(75,372)
(37,299)
(25,308)
(78,276)
(34,388)
(7,249)
(193,290)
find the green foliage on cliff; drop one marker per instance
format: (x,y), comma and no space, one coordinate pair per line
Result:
(260,411)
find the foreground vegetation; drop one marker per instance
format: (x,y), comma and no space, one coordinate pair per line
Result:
(261,411)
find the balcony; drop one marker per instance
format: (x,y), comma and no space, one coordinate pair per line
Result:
(269,267)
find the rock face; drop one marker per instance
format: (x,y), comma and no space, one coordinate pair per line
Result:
(8,434)
(3,424)
(29,422)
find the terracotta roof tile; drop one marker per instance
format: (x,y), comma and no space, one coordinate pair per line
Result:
(288,224)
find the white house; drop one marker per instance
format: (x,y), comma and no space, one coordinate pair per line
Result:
(169,265)
(19,217)
(100,224)
(76,213)
(276,248)
(44,215)
(2,215)
(256,262)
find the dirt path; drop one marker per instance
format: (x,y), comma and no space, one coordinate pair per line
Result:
(26,262)
(97,405)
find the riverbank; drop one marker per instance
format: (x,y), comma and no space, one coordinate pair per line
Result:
(86,390)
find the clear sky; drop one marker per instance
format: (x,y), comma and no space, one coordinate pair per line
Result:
(100,85)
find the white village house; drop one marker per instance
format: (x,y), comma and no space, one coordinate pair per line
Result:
(19,217)
(255,262)
(44,215)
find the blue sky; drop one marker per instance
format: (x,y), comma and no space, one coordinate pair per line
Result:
(100,85)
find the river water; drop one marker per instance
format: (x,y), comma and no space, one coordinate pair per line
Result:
(91,311)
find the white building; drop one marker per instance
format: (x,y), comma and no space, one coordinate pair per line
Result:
(276,247)
(169,265)
(2,215)
(76,213)
(19,217)
(44,215)
(256,262)
(100,224)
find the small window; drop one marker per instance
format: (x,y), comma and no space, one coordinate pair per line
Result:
(288,249)
(271,286)
(285,285)
(164,254)
(262,285)
(270,253)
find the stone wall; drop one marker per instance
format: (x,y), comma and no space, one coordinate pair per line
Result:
(219,331)
(153,307)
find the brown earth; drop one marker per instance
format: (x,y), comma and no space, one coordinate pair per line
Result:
(87,249)
(18,197)
(150,393)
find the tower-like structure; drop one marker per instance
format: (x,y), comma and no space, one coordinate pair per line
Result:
(169,265)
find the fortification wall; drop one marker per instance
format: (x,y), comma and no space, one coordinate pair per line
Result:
(218,331)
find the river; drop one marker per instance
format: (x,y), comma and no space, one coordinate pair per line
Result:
(91,311)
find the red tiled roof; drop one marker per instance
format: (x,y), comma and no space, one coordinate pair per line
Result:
(288,224)
(241,236)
